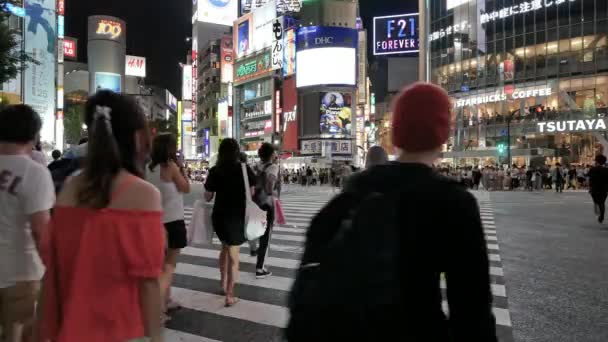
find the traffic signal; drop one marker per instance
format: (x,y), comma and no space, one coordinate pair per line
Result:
(502,148)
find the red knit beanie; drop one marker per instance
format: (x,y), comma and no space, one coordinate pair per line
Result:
(421,118)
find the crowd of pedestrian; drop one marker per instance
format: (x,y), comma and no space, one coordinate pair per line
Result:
(334,176)
(496,178)
(107,253)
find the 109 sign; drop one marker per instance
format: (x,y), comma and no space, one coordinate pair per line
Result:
(396,34)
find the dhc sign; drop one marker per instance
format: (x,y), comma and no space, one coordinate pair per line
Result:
(571,126)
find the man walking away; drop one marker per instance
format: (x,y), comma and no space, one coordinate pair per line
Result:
(386,221)
(27,195)
(264,195)
(558,176)
(598,185)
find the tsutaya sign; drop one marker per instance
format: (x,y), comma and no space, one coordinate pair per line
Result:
(524,7)
(572,126)
(492,98)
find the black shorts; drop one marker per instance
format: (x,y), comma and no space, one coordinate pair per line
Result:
(176,234)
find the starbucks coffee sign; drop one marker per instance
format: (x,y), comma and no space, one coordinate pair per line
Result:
(583,125)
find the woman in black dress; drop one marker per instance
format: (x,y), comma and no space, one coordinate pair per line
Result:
(225,182)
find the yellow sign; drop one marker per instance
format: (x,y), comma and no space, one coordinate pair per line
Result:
(109,28)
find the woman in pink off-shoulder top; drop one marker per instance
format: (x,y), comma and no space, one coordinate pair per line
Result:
(104,249)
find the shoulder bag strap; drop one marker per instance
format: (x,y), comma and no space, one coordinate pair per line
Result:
(246,182)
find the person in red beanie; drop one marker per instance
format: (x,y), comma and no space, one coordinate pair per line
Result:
(388,240)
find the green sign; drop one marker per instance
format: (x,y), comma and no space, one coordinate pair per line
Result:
(247,69)
(254,67)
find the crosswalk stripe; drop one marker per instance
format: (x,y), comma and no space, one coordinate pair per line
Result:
(260,313)
(274,247)
(244,257)
(178,336)
(289,237)
(273,282)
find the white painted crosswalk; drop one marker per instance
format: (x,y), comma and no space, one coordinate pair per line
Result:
(262,312)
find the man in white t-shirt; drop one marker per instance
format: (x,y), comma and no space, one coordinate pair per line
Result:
(26,196)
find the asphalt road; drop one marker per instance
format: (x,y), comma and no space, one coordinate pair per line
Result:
(555,259)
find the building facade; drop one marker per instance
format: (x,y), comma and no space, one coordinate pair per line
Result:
(529,79)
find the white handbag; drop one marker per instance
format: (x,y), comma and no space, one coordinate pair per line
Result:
(200,231)
(255,218)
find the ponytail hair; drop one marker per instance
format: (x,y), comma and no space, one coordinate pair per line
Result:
(113,121)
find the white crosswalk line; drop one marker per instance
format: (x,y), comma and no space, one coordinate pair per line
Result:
(261,313)
(244,257)
(289,237)
(273,282)
(273,247)
(178,336)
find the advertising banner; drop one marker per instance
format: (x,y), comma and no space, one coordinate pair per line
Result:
(222,118)
(326,56)
(187,83)
(227,54)
(222,12)
(70,48)
(336,113)
(253,67)
(40,38)
(263,19)
(277,44)
(289,52)
(135,66)
(243,29)
(318,146)
(108,81)
(396,34)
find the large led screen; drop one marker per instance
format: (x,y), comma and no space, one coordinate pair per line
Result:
(336,113)
(326,66)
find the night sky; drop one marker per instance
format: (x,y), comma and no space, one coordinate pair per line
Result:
(157,29)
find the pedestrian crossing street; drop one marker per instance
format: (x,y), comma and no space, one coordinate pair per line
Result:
(261,313)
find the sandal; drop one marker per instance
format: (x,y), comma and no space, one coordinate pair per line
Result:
(230,301)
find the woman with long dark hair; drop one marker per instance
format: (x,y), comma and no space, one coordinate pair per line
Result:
(226,183)
(168,174)
(104,250)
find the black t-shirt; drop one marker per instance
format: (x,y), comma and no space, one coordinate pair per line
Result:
(598,179)
(226,181)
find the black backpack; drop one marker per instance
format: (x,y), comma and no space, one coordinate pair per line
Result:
(262,195)
(348,287)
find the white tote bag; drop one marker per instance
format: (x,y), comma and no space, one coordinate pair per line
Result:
(255,218)
(200,231)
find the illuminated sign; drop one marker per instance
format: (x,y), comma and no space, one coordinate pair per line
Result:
(289,53)
(277,44)
(396,34)
(187,84)
(282,6)
(498,97)
(263,19)
(170,100)
(60,26)
(571,126)
(448,31)
(227,55)
(110,28)
(257,66)
(524,7)
(60,7)
(14,9)
(135,66)
(344,147)
(222,12)
(70,48)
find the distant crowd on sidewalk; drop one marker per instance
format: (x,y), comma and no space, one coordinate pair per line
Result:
(496,178)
